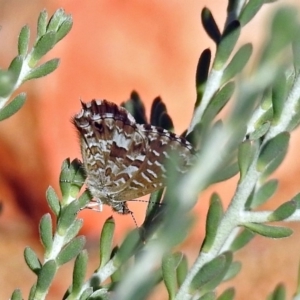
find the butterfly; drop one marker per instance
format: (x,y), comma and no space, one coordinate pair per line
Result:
(124,160)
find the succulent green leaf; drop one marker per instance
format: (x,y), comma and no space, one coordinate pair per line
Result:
(219,100)
(71,179)
(273,149)
(43,45)
(106,240)
(202,73)
(210,25)
(212,284)
(298,282)
(243,238)
(275,232)
(169,274)
(296,55)
(67,217)
(281,36)
(53,200)
(84,199)
(79,273)
(296,199)
(250,10)
(46,234)
(23,40)
(262,129)
(73,230)
(87,293)
(101,294)
(16,295)
(278,97)
(7,82)
(279,293)
(64,28)
(214,216)
(208,296)
(264,193)
(42,24)
(45,278)
(43,70)
(246,154)
(226,173)
(71,250)
(237,63)
(32,292)
(127,248)
(228,294)
(12,107)
(32,260)
(182,270)
(16,66)
(283,211)
(56,20)
(208,272)
(226,45)
(233,270)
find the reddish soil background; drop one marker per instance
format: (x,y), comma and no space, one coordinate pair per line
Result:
(113,48)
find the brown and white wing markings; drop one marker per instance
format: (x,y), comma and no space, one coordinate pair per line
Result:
(152,173)
(111,146)
(124,160)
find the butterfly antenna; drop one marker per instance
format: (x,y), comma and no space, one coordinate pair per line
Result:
(134,219)
(148,201)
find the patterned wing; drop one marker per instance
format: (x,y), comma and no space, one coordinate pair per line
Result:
(152,173)
(124,160)
(112,147)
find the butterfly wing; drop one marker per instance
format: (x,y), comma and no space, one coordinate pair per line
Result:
(112,147)
(152,173)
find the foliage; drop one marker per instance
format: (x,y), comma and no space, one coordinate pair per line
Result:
(253,139)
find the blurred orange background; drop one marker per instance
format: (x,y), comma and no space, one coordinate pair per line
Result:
(113,48)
